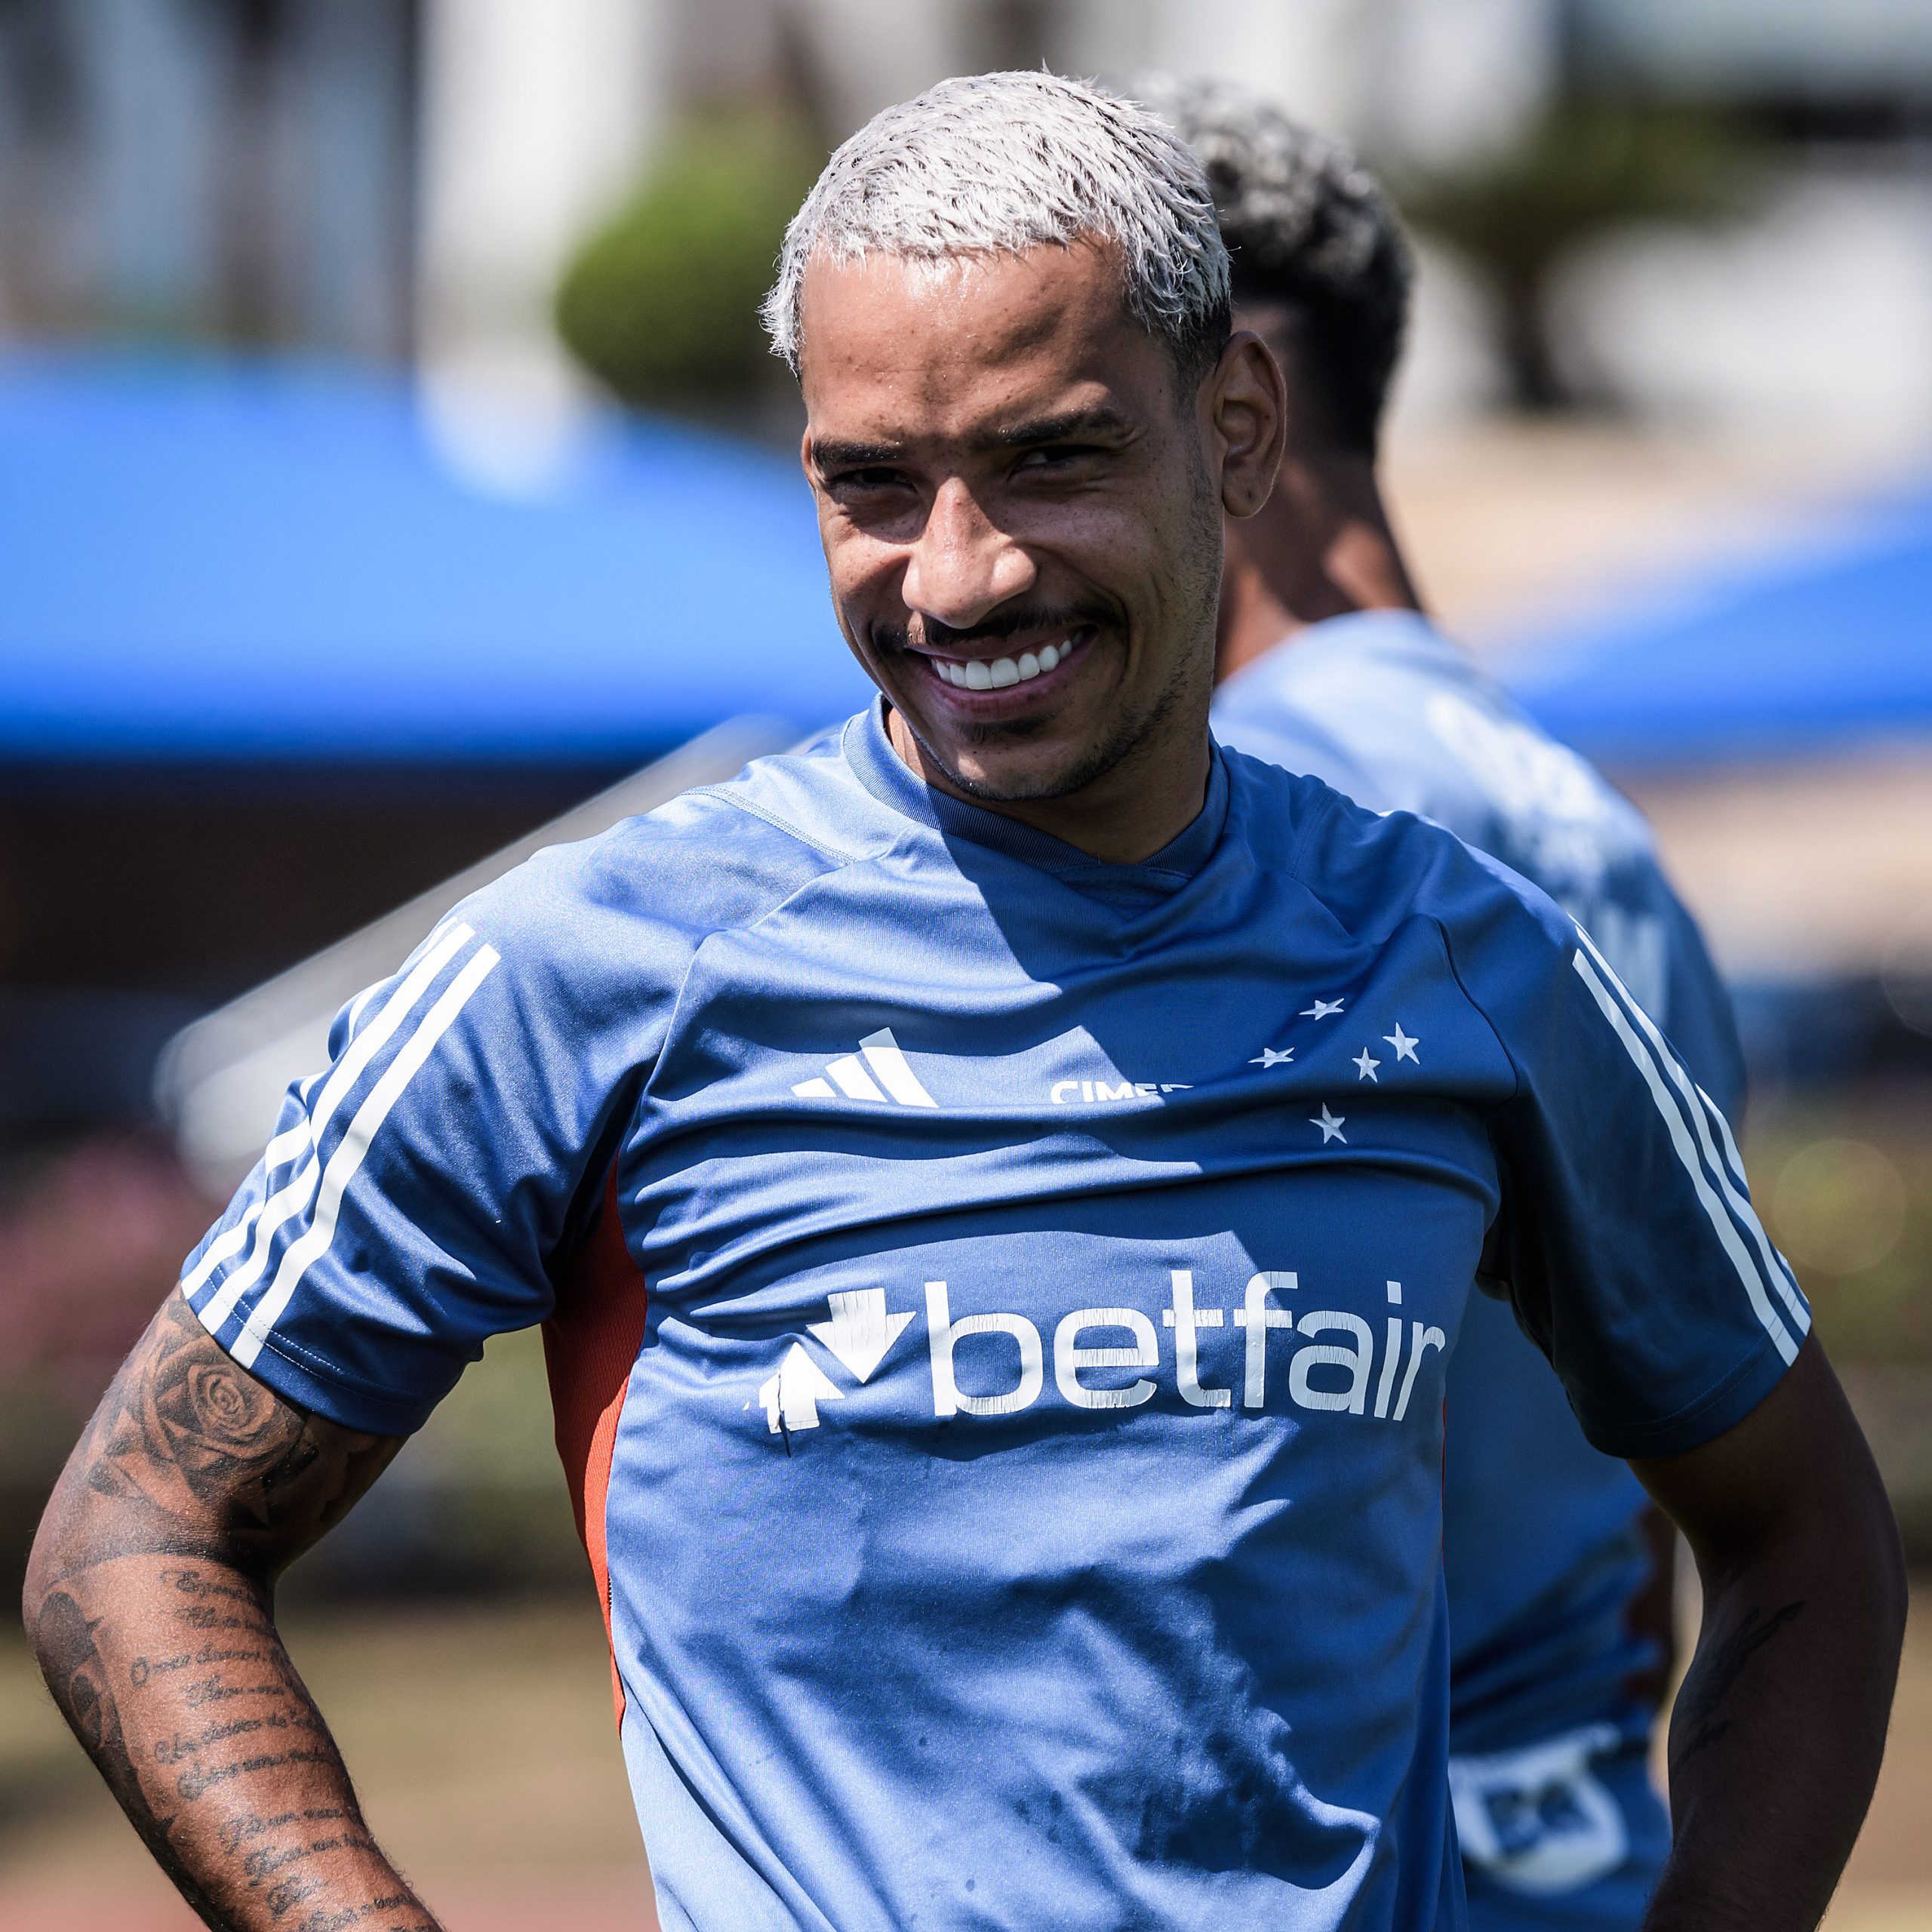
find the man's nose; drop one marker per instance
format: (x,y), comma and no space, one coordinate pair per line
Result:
(962,566)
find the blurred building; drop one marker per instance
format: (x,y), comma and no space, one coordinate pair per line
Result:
(387,177)
(189,169)
(1819,304)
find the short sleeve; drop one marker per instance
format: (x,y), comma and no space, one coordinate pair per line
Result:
(417,1189)
(1626,1237)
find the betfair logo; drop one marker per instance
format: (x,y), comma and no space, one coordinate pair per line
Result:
(1354,1370)
(884,1074)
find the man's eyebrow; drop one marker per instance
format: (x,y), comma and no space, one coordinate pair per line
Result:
(829,454)
(1067,426)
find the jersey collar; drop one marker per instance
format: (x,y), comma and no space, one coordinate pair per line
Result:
(884,774)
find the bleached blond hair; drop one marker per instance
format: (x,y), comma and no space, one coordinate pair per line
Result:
(1002,164)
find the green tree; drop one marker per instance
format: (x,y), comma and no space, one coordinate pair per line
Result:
(660,303)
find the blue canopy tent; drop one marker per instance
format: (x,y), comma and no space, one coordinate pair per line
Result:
(209,560)
(1817,647)
(272,662)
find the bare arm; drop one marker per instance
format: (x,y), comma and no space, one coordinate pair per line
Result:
(150,1601)
(1777,1734)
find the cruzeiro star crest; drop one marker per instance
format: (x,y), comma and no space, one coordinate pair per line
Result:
(1366,1063)
(1322,1009)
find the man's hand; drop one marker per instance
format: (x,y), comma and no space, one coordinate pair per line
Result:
(1777,1734)
(149,1602)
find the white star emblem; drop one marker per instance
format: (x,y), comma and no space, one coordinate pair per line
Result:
(1273,1056)
(1331,1125)
(1320,1010)
(1366,1063)
(1404,1045)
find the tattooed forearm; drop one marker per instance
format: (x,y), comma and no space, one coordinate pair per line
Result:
(149,1602)
(199,1742)
(1700,1718)
(78,1679)
(203,1457)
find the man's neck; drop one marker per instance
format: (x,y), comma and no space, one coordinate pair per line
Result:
(1322,547)
(1146,802)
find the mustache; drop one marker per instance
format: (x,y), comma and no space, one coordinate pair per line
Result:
(934,636)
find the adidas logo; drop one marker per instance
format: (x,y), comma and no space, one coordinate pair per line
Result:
(883,1075)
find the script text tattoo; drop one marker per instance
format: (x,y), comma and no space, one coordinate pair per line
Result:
(151,1611)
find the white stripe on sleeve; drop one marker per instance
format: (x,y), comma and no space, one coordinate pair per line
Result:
(290,1145)
(347,1159)
(1779,1269)
(221,1248)
(292,1198)
(357,1005)
(1702,1114)
(1687,1154)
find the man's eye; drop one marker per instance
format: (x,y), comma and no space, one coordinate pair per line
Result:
(1057,456)
(875,478)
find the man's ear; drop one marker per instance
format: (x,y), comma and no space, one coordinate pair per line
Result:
(1246,397)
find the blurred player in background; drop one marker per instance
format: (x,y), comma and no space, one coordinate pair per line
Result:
(1558,1566)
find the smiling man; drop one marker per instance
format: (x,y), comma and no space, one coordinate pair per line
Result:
(988,544)
(999,1343)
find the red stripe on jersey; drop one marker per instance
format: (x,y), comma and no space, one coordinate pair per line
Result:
(590,1346)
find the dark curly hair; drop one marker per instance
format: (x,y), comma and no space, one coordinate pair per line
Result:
(1309,230)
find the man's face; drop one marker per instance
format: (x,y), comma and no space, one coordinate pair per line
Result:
(1021,510)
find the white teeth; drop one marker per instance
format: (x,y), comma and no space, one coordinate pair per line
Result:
(979,676)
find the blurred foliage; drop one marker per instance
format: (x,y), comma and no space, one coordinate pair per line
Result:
(1843,1181)
(1587,167)
(92,1232)
(1844,1186)
(661,304)
(92,1235)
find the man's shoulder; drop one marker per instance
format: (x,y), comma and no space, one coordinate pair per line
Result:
(1371,869)
(1389,709)
(647,892)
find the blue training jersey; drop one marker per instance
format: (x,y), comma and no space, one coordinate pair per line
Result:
(1542,1554)
(998,1303)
